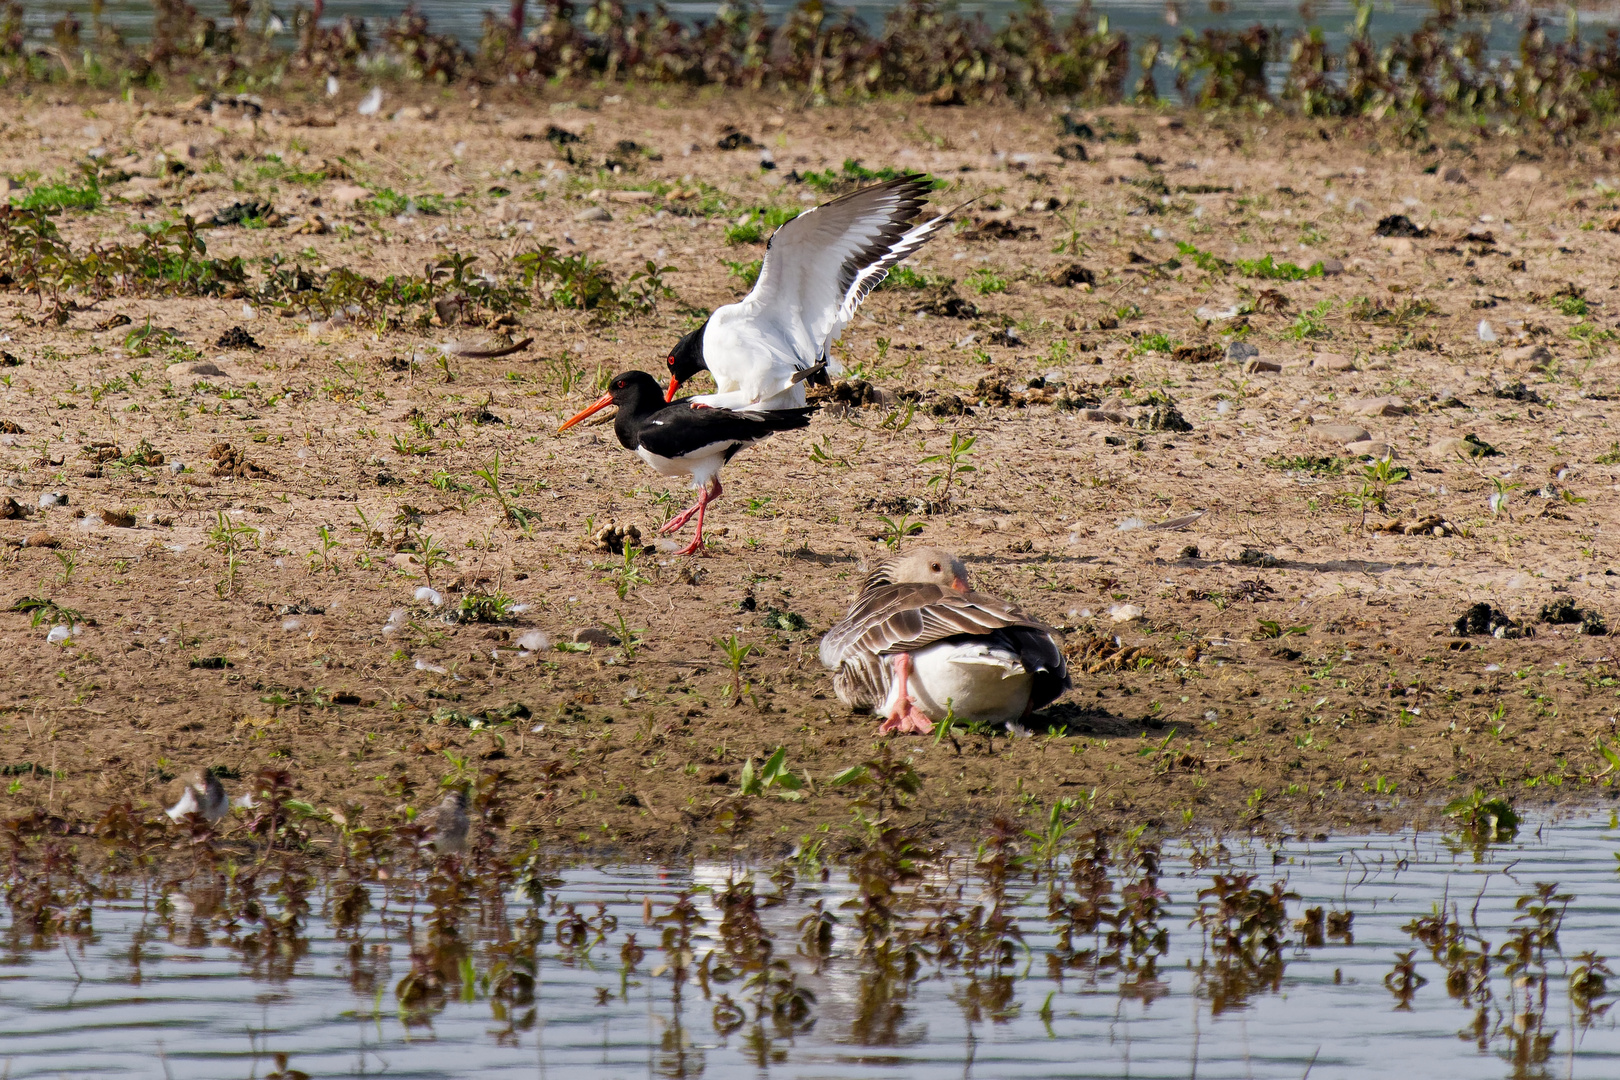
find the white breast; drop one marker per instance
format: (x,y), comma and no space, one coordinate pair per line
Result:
(701,467)
(981,681)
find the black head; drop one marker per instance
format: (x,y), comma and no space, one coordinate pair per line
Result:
(628,389)
(686,359)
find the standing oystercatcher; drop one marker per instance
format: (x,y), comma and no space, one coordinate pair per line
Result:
(685,439)
(817,270)
(918,641)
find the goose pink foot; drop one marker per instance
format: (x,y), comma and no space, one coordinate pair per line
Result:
(905,718)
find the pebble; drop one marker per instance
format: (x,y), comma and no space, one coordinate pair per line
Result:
(1332,362)
(42,539)
(1339,433)
(591,635)
(1370,447)
(1378,406)
(1255,365)
(595,213)
(1124,613)
(1241,350)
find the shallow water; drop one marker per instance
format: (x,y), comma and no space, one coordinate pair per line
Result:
(156,994)
(1139,19)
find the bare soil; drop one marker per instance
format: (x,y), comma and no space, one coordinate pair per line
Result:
(1291,665)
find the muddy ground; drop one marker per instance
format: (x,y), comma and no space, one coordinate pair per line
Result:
(1283,662)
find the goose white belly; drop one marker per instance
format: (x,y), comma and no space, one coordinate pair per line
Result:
(982,681)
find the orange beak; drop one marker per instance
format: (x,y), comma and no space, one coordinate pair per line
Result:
(601,403)
(674,385)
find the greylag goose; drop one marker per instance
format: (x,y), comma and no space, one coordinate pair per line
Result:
(918,641)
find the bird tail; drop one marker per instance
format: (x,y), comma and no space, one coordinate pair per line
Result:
(815,375)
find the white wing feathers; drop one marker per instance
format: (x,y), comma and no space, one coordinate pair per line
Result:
(822,264)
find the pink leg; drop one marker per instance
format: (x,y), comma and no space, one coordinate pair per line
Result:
(905,717)
(678,522)
(697,540)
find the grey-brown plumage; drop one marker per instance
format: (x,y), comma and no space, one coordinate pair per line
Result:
(202,795)
(446,824)
(914,602)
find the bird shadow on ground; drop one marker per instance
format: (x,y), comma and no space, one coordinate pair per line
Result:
(1067,719)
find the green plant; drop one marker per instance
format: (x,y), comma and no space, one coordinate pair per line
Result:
(955,461)
(1312,323)
(746,272)
(895,532)
(737,652)
(320,557)
(58,197)
(69,561)
(484,608)
(511,513)
(773,775)
(1376,480)
(626,575)
(1269,629)
(904,277)
(1047,843)
(231,540)
(757,224)
(630,639)
(430,555)
(1488,819)
(985,281)
(40,610)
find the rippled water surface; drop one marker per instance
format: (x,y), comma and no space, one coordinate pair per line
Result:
(953,973)
(1139,19)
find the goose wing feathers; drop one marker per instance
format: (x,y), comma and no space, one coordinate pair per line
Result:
(902,618)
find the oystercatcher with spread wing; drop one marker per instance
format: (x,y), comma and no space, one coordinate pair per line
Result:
(685,439)
(817,270)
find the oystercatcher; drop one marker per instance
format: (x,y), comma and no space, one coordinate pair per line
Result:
(817,270)
(685,439)
(918,641)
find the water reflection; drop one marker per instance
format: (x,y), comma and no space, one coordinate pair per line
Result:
(314,946)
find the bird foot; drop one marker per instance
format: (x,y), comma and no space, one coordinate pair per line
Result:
(678,522)
(693,548)
(906,719)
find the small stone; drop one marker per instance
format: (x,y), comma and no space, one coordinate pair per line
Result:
(1369,448)
(1332,362)
(201,369)
(42,539)
(595,213)
(349,194)
(1453,175)
(1533,356)
(1523,174)
(631,196)
(1121,613)
(1255,365)
(1339,433)
(591,635)
(1378,406)
(1241,350)
(1332,267)
(118,519)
